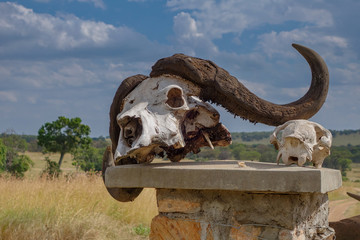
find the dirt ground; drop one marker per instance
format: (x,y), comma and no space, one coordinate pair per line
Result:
(339,208)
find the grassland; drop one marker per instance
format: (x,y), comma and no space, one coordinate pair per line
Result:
(39,162)
(77,206)
(343,139)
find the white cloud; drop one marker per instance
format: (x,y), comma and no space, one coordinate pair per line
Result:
(188,37)
(43,1)
(185,26)
(278,42)
(348,74)
(97,3)
(294,93)
(216,18)
(8,96)
(24,33)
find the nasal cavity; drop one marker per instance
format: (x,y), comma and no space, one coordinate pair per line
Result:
(131,130)
(292,158)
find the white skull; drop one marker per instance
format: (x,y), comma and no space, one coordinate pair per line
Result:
(159,114)
(302,141)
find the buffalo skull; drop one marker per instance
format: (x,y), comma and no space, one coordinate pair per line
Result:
(302,141)
(164,114)
(167,112)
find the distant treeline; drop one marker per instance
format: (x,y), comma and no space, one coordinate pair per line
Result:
(341,156)
(32,145)
(344,132)
(237,137)
(257,136)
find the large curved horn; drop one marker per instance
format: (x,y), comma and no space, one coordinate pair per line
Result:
(220,87)
(120,194)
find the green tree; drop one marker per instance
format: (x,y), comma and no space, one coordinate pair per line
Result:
(250,155)
(20,165)
(15,144)
(52,169)
(339,159)
(89,159)
(15,163)
(64,135)
(237,149)
(2,156)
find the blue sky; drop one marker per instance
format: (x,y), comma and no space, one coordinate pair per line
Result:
(67,57)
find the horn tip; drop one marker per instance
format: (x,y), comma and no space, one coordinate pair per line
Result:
(355,196)
(297,46)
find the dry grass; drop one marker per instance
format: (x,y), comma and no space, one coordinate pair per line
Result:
(80,208)
(340,193)
(39,159)
(77,208)
(340,200)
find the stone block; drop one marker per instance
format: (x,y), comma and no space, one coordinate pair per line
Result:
(245,233)
(224,175)
(164,228)
(242,215)
(171,200)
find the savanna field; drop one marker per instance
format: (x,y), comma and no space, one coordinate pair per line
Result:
(77,206)
(74,206)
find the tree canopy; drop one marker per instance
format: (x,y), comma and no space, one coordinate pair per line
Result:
(2,156)
(64,136)
(11,145)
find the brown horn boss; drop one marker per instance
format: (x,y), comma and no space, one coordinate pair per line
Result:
(181,86)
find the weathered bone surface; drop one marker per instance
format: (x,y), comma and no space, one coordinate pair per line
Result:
(302,141)
(167,112)
(164,114)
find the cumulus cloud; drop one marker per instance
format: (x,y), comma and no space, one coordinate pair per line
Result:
(24,33)
(188,37)
(274,42)
(216,18)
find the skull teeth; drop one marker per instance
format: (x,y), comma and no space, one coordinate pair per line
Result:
(206,136)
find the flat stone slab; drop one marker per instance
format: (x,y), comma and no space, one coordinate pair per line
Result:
(224,175)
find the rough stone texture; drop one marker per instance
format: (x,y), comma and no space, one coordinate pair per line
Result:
(224,175)
(224,200)
(164,228)
(241,215)
(168,202)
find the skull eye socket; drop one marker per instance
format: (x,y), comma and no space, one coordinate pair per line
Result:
(175,98)
(131,129)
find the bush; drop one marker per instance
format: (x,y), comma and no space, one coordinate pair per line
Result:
(20,165)
(52,169)
(2,157)
(88,159)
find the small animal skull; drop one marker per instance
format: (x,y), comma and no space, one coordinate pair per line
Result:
(302,141)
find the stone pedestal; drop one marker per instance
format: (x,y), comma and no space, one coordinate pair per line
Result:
(224,200)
